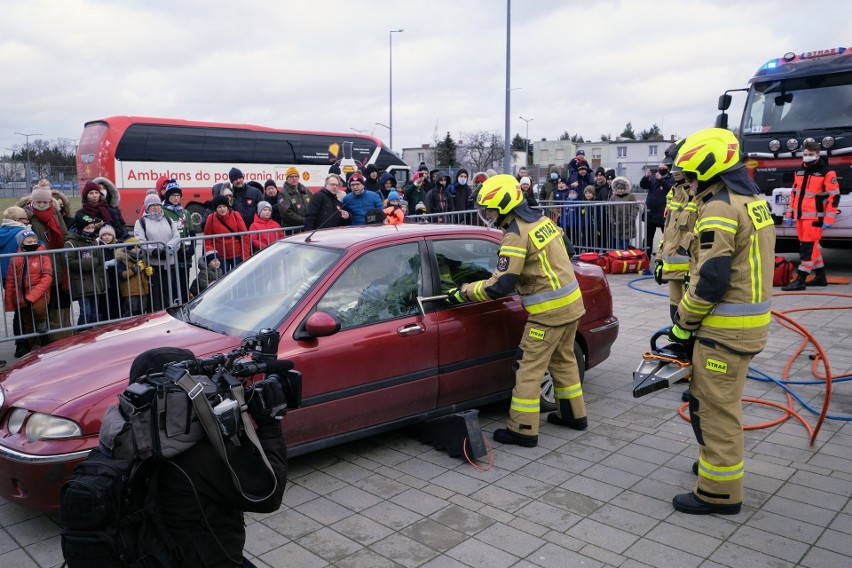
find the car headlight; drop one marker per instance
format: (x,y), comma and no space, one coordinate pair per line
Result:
(40,426)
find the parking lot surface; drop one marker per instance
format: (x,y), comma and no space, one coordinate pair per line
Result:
(597,498)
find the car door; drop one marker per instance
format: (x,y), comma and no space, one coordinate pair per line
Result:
(477,341)
(382,364)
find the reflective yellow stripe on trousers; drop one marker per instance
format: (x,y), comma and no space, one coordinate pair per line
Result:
(720,473)
(566,393)
(526,404)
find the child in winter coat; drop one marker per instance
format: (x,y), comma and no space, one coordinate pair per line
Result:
(263,222)
(225,221)
(110,302)
(208,272)
(394,213)
(133,276)
(28,281)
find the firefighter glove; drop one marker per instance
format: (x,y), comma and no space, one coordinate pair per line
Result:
(658,273)
(149,271)
(454,297)
(142,265)
(680,335)
(788,221)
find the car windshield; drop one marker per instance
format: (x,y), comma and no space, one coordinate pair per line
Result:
(799,104)
(261,291)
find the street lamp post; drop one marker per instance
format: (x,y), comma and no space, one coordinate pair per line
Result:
(527,140)
(390,85)
(28,181)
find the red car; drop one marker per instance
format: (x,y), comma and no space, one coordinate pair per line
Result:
(361,314)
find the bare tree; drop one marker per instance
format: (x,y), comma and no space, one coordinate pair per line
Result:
(483,150)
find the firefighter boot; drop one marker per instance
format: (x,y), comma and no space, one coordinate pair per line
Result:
(819,278)
(568,420)
(690,504)
(506,436)
(798,284)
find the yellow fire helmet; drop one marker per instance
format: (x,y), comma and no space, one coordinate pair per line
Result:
(501,192)
(708,152)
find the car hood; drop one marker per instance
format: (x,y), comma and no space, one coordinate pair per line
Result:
(85,370)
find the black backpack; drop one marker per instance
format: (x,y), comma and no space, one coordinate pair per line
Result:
(111,518)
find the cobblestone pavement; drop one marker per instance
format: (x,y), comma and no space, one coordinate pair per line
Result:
(596,498)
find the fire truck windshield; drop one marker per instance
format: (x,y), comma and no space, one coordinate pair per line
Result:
(795,105)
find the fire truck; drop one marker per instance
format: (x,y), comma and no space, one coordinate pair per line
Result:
(789,100)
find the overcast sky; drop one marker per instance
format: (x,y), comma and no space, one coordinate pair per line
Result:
(587,67)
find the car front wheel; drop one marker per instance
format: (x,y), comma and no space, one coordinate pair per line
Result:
(548,397)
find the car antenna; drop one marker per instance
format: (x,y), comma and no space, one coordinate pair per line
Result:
(330,217)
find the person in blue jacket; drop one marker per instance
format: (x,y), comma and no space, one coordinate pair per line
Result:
(360,200)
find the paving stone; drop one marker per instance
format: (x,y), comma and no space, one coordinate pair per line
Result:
(678,537)
(260,538)
(403,550)
(509,539)
(822,558)
(501,498)
(365,558)
(329,545)
(658,554)
(583,505)
(354,498)
(553,556)
(434,535)
(391,515)
(736,556)
(291,523)
(462,520)
(291,554)
(591,487)
(624,519)
(791,528)
(419,502)
(33,530)
(602,535)
(836,542)
(361,529)
(548,515)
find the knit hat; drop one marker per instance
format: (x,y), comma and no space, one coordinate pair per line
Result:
(41,192)
(374,217)
(261,205)
(211,256)
(393,195)
(525,180)
(610,174)
(221,200)
(291,171)
(23,235)
(151,199)
(600,172)
(354,177)
(580,152)
(172,186)
(234,174)
(81,221)
(422,167)
(90,186)
(582,166)
(269,183)
(106,229)
(420,207)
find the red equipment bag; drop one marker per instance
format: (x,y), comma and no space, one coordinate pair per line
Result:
(630,260)
(784,272)
(596,258)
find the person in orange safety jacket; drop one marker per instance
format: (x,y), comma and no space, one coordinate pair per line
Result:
(813,204)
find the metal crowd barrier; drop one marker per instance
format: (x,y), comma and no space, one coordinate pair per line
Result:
(591,226)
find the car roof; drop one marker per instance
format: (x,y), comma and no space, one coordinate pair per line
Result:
(345,237)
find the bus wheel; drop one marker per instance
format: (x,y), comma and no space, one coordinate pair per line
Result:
(196,214)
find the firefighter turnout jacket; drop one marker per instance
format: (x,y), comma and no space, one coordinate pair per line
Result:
(533,260)
(814,199)
(677,232)
(729,297)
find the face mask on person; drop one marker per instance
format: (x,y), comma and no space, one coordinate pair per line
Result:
(554,176)
(462,180)
(42,206)
(30,247)
(155,216)
(810,159)
(572,195)
(89,234)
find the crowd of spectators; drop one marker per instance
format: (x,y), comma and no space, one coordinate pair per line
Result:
(113,272)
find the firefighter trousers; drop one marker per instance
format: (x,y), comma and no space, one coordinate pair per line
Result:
(545,347)
(716,411)
(810,255)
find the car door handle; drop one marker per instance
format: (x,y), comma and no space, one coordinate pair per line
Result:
(413,329)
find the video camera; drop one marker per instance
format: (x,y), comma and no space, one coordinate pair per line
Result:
(226,371)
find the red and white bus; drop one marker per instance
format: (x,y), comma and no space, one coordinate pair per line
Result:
(135,151)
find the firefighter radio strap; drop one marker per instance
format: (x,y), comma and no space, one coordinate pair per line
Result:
(237,408)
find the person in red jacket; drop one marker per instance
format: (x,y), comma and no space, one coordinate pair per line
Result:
(225,221)
(263,222)
(813,205)
(28,281)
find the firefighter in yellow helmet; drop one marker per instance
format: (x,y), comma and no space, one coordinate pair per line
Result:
(725,311)
(534,261)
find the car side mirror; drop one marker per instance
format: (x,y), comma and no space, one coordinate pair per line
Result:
(318,324)
(722,121)
(724,102)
